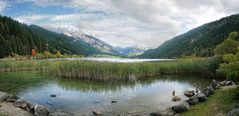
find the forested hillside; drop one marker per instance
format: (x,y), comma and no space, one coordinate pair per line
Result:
(200,41)
(17,38)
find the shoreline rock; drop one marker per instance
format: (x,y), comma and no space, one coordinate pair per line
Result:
(97,113)
(18,103)
(176,98)
(166,112)
(182,107)
(193,100)
(39,110)
(199,97)
(3,96)
(189,93)
(233,112)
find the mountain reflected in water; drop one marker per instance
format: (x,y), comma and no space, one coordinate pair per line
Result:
(83,96)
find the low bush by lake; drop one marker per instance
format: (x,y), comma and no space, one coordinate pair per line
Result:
(93,70)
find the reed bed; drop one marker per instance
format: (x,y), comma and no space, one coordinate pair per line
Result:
(94,70)
(23,65)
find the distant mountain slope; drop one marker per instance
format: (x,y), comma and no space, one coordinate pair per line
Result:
(20,38)
(68,44)
(200,41)
(93,41)
(99,44)
(129,51)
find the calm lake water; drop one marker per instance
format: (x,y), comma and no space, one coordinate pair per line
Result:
(122,60)
(82,97)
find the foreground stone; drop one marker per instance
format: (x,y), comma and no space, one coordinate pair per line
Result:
(14,103)
(12,98)
(207,93)
(223,83)
(166,112)
(40,110)
(210,89)
(176,98)
(95,112)
(3,96)
(215,84)
(113,101)
(233,112)
(9,109)
(182,107)
(193,100)
(53,95)
(229,83)
(201,97)
(189,93)
(21,103)
(58,113)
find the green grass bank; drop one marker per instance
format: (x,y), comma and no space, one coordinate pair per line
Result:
(219,104)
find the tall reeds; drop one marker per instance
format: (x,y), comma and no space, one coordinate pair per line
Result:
(94,70)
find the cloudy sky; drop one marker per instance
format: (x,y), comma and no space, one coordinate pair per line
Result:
(144,23)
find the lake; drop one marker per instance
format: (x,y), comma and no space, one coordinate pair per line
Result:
(82,96)
(121,60)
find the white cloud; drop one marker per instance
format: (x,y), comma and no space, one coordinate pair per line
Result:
(146,23)
(3,5)
(31,19)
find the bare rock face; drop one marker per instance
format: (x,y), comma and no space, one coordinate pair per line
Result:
(182,107)
(3,96)
(40,110)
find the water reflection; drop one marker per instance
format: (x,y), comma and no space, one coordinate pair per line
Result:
(122,60)
(113,86)
(15,82)
(81,96)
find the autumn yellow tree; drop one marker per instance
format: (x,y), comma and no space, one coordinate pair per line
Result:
(58,54)
(46,54)
(34,53)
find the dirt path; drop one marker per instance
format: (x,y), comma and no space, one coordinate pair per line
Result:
(8,109)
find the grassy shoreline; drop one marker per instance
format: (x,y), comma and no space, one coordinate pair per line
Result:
(220,103)
(94,70)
